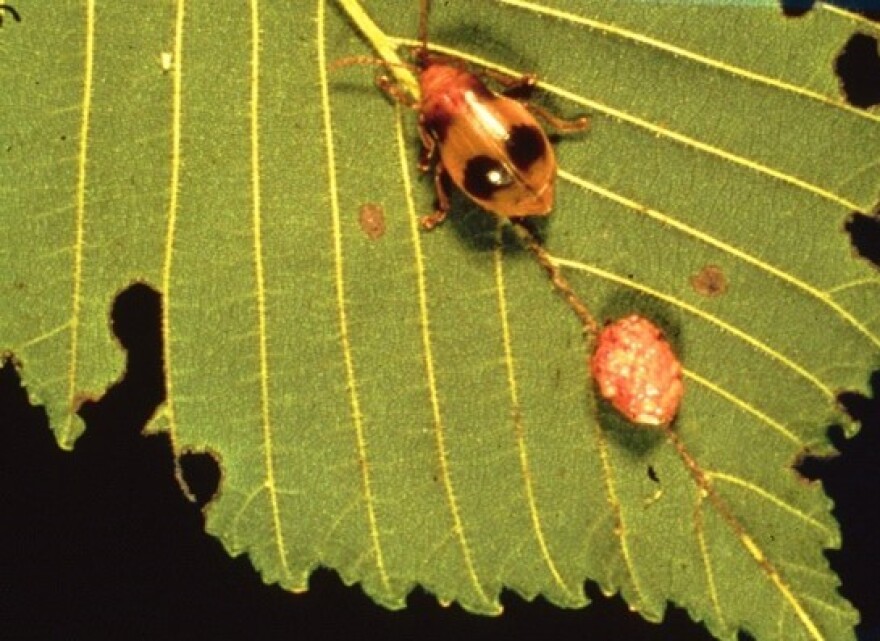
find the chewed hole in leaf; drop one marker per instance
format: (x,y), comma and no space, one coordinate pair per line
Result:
(796,8)
(135,314)
(846,477)
(201,475)
(864,233)
(430,389)
(863,409)
(135,320)
(859,69)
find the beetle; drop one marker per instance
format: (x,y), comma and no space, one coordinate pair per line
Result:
(489,144)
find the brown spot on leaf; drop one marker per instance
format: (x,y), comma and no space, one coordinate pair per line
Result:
(709,281)
(371,217)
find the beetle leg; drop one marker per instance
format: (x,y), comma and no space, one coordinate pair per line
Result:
(430,221)
(559,124)
(393,91)
(521,88)
(429,147)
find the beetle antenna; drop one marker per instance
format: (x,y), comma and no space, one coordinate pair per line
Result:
(423,30)
(367,60)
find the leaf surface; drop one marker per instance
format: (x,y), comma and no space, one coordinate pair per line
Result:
(414,409)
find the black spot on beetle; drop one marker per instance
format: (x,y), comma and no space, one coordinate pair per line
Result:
(525,146)
(483,176)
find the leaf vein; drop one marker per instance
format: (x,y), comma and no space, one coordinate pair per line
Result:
(703,483)
(849,15)
(861,282)
(783,588)
(735,331)
(744,405)
(171,226)
(617,511)
(430,371)
(725,247)
(512,385)
(260,285)
(657,130)
(42,338)
(79,217)
(342,313)
(768,496)
(245,505)
(688,54)
(699,525)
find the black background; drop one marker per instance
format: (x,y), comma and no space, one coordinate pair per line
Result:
(100,543)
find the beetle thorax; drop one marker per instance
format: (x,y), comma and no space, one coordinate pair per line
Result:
(444,87)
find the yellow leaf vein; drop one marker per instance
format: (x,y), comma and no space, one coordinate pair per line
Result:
(861,282)
(708,239)
(744,405)
(173,210)
(772,498)
(510,365)
(783,587)
(700,527)
(79,216)
(657,130)
(430,370)
(687,54)
(704,484)
(617,511)
(260,277)
(825,605)
(815,575)
(42,338)
(727,327)
(862,21)
(242,511)
(342,313)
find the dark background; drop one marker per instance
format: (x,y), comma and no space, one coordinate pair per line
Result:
(100,543)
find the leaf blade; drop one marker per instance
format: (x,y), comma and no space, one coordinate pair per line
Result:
(414,409)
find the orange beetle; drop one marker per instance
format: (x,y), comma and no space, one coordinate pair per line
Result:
(489,144)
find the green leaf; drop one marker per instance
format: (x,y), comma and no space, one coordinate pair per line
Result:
(412,408)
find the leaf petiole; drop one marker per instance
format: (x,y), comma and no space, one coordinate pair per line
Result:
(384,45)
